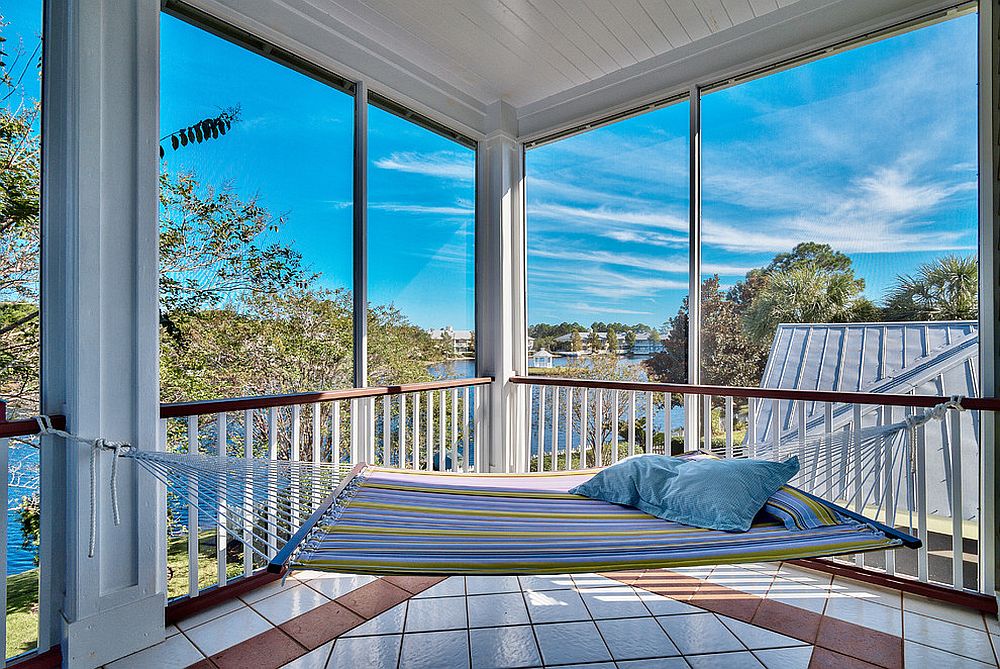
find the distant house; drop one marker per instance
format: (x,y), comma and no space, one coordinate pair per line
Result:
(542,359)
(531,343)
(646,345)
(925,358)
(462,340)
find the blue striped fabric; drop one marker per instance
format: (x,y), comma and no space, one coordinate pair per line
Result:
(401,522)
(798,511)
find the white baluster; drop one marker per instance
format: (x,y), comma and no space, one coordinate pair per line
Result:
(454,430)
(248,495)
(194,531)
(220,532)
(957,549)
(631,423)
(729,426)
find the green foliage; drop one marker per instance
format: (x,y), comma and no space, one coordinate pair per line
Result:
(203,130)
(576,341)
(29,514)
(943,290)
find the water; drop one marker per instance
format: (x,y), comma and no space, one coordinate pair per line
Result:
(22,482)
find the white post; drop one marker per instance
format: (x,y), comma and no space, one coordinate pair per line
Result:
(100,339)
(989,280)
(500,289)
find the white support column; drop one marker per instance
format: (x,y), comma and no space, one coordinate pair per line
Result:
(100,325)
(691,407)
(500,285)
(989,285)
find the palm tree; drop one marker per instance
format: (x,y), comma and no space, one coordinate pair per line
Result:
(945,289)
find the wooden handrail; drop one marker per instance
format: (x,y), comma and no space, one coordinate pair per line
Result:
(181,409)
(889,399)
(26,428)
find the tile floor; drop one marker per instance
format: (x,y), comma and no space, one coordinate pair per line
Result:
(775,616)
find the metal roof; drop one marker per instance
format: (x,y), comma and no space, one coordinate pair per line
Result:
(925,358)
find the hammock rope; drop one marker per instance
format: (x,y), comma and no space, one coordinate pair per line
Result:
(263,503)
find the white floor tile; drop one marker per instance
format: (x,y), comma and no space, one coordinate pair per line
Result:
(992,624)
(943,611)
(453,586)
(867,614)
(699,633)
(174,653)
(564,643)
(501,608)
(619,602)
(272,588)
(483,585)
(946,636)
(918,656)
(594,581)
(785,658)
(432,650)
(227,630)
(170,630)
(738,660)
(636,638)
(658,663)
(845,587)
(547,582)
(377,652)
(209,614)
(288,604)
(555,606)
(388,622)
(440,613)
(335,585)
(757,638)
(315,659)
(591,665)
(504,647)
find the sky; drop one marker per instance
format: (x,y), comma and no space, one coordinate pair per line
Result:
(872,151)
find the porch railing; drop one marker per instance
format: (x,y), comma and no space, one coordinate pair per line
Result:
(430,426)
(576,424)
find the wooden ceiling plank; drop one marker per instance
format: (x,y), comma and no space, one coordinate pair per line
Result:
(692,20)
(665,19)
(761,7)
(523,12)
(595,29)
(739,10)
(626,34)
(715,15)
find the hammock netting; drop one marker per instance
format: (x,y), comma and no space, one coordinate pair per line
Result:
(375,520)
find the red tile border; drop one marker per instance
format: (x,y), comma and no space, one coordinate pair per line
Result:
(838,643)
(314,628)
(269,650)
(302,634)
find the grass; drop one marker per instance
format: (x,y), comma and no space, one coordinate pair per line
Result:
(22,589)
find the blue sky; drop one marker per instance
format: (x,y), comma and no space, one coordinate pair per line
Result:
(294,148)
(872,151)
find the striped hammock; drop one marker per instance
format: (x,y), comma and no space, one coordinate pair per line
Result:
(386,521)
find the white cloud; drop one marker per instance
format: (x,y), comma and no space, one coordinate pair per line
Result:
(458,210)
(446,164)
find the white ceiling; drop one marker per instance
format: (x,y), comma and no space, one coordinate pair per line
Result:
(553,63)
(524,50)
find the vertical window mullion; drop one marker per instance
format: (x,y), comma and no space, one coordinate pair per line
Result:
(360,288)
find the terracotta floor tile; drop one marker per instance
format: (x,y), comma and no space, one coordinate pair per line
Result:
(627,577)
(414,584)
(373,598)
(322,624)
(269,650)
(827,659)
(788,620)
(727,601)
(668,584)
(884,650)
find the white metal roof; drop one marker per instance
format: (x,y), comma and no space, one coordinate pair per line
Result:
(925,358)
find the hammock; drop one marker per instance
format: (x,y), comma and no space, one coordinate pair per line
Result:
(324,516)
(387,521)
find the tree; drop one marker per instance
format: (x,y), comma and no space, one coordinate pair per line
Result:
(630,341)
(804,294)
(612,341)
(729,355)
(942,290)
(595,339)
(575,341)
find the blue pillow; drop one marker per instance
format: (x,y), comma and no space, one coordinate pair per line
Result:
(714,494)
